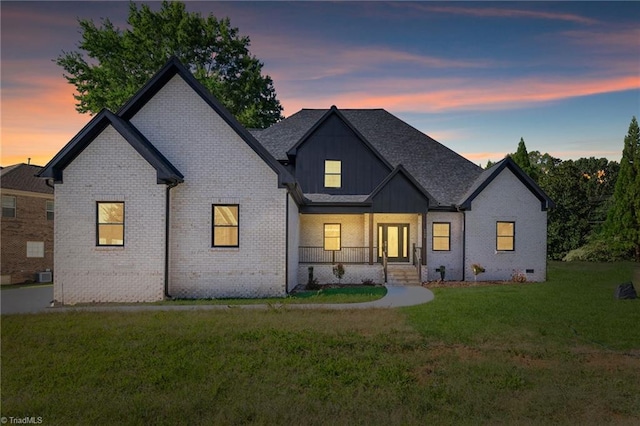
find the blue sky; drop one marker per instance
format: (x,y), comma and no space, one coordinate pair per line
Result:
(476,76)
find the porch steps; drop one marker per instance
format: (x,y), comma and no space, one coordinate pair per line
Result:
(402,275)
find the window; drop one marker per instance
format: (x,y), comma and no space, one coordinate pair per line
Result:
(332,236)
(49,210)
(225,225)
(8,206)
(332,174)
(441,236)
(110,224)
(35,248)
(505,236)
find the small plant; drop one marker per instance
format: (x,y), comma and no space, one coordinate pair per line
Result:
(518,276)
(312,284)
(368,281)
(477,270)
(338,271)
(443,270)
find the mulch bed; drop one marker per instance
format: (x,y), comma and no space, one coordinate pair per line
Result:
(454,284)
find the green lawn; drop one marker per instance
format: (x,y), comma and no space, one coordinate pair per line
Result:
(561,352)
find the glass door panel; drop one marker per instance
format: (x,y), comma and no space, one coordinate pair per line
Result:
(392,241)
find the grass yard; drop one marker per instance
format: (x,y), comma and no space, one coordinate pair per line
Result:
(561,352)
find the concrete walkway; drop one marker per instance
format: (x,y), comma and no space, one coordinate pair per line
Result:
(397,296)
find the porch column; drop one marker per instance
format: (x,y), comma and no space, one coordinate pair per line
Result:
(423,252)
(370,238)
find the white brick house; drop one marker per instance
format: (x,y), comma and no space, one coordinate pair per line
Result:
(171,196)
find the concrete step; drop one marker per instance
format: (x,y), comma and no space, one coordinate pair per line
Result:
(402,275)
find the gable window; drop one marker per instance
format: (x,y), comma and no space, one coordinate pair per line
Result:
(441,236)
(8,206)
(110,224)
(332,173)
(332,236)
(49,210)
(505,236)
(226,225)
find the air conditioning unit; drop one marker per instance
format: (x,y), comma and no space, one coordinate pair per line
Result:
(45,277)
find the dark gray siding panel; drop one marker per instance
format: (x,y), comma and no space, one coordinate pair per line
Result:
(362,170)
(400,195)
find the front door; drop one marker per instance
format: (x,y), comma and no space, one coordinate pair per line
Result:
(395,238)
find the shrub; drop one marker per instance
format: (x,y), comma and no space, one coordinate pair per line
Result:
(338,271)
(312,284)
(518,277)
(600,250)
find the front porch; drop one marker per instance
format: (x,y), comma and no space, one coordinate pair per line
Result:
(364,243)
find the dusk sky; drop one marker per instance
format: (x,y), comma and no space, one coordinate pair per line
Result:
(476,76)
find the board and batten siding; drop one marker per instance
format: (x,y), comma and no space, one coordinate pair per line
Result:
(219,167)
(361,169)
(506,199)
(109,169)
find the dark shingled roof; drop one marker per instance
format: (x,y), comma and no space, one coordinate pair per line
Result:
(443,173)
(22,177)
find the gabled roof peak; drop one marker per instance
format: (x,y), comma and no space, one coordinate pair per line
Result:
(166,172)
(490,174)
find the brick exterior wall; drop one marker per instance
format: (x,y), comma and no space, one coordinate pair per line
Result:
(452,259)
(506,199)
(219,168)
(30,224)
(109,169)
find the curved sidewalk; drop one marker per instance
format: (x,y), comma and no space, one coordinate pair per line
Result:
(396,297)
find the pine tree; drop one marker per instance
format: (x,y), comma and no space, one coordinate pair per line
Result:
(622,227)
(521,157)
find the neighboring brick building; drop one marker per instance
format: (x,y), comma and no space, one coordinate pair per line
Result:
(26,245)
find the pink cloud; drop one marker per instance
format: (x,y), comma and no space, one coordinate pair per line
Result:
(38,113)
(433,96)
(491,12)
(316,60)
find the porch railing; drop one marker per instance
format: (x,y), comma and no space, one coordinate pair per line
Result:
(308,254)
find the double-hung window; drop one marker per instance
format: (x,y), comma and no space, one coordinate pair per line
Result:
(226,225)
(8,206)
(332,236)
(505,236)
(50,210)
(441,236)
(332,173)
(110,223)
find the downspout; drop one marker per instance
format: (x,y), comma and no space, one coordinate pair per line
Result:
(166,238)
(286,245)
(464,243)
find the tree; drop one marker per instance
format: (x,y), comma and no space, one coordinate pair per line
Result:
(489,165)
(622,226)
(568,223)
(521,158)
(120,62)
(600,179)
(542,162)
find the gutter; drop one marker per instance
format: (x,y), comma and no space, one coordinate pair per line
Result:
(166,238)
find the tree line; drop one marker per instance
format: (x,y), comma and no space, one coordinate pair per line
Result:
(597,213)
